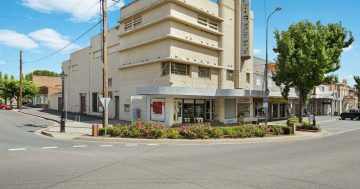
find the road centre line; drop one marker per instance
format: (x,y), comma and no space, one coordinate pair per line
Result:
(79,146)
(16,149)
(131,144)
(49,147)
(106,145)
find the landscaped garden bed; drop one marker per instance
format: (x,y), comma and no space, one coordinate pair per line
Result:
(304,126)
(196,131)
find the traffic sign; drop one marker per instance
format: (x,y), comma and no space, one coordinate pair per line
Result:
(105,102)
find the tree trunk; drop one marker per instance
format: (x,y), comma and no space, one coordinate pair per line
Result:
(17,103)
(301,107)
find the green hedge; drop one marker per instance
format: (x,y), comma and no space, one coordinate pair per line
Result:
(294,119)
(196,131)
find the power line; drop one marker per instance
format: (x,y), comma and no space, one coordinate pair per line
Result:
(71,42)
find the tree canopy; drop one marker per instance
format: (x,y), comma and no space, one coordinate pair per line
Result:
(307,53)
(357,86)
(28,77)
(10,88)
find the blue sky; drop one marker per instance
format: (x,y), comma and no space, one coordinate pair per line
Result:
(40,27)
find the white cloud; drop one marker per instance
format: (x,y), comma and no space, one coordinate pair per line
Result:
(80,10)
(2,62)
(18,40)
(348,48)
(52,39)
(257,51)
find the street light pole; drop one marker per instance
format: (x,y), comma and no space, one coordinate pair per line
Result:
(266,64)
(62,121)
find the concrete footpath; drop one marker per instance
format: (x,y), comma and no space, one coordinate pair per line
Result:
(82,131)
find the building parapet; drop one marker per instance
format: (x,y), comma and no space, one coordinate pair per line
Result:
(188,91)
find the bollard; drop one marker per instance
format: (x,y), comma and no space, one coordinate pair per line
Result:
(95,130)
(293,128)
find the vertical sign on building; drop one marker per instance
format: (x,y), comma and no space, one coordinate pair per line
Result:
(245,29)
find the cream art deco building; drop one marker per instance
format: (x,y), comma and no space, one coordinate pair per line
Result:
(173,61)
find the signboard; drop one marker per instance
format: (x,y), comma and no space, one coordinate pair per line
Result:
(272,67)
(105,102)
(157,107)
(245,29)
(265,105)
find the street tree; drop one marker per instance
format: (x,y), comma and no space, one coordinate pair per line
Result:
(307,53)
(357,86)
(9,89)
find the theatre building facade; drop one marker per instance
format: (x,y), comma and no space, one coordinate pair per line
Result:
(173,62)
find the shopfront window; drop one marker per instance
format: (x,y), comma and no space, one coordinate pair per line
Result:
(193,110)
(282,110)
(199,108)
(188,107)
(275,109)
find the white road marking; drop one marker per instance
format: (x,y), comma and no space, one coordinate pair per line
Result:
(49,147)
(346,131)
(106,145)
(153,144)
(79,146)
(131,144)
(16,149)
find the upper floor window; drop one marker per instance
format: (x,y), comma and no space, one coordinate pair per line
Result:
(128,25)
(132,23)
(204,72)
(175,68)
(230,75)
(137,21)
(213,24)
(109,82)
(247,77)
(205,21)
(202,20)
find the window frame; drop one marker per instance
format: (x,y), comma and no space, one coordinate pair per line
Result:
(207,75)
(230,75)
(175,68)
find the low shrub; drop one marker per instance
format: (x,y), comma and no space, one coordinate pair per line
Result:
(293,119)
(216,133)
(197,131)
(287,130)
(173,133)
(276,130)
(101,132)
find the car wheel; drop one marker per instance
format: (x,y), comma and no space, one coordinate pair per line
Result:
(3,108)
(342,117)
(358,117)
(352,118)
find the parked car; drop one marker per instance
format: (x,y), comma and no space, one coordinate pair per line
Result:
(5,107)
(352,114)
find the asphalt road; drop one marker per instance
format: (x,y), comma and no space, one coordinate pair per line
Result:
(330,162)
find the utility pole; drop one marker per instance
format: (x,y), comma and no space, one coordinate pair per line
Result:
(62,121)
(105,61)
(20,89)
